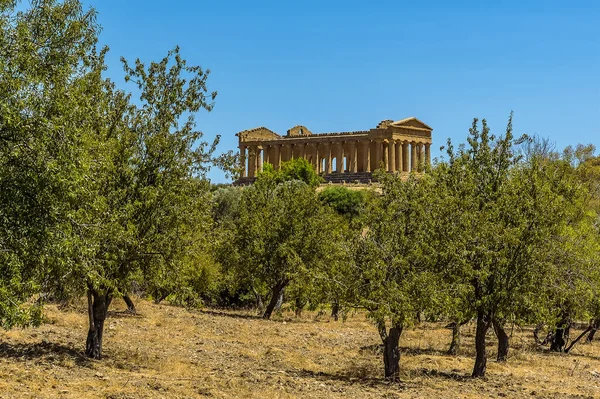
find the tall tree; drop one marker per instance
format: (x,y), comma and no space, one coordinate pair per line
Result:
(47,54)
(150,194)
(281,234)
(392,277)
(512,211)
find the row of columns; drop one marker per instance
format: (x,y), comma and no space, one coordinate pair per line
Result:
(359,156)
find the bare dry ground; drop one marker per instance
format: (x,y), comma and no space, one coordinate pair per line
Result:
(170,352)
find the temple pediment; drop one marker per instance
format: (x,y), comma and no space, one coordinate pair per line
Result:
(257,134)
(298,131)
(411,122)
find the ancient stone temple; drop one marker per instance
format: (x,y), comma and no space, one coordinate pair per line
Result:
(397,146)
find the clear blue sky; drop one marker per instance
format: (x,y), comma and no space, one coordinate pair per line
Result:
(346,65)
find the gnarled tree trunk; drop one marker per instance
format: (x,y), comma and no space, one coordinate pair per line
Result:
(595,326)
(97,309)
(130,304)
(503,340)
(561,334)
(483,325)
(276,299)
(391,351)
(590,327)
(335,310)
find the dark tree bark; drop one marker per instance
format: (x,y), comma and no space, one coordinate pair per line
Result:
(276,297)
(455,344)
(335,310)
(595,325)
(97,308)
(391,351)
(483,325)
(561,334)
(503,341)
(161,296)
(578,338)
(130,304)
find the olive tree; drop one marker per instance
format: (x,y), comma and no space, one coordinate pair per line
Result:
(511,211)
(150,197)
(282,234)
(392,273)
(46,60)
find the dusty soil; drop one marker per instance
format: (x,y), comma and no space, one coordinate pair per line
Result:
(170,352)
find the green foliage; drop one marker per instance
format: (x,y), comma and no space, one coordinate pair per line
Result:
(294,169)
(345,201)
(45,60)
(393,274)
(98,191)
(280,234)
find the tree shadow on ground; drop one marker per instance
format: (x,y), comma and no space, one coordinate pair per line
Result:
(352,378)
(228,314)
(448,375)
(423,351)
(39,350)
(123,314)
(377,350)
(572,353)
(347,378)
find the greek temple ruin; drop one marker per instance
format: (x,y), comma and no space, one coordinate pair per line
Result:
(396,146)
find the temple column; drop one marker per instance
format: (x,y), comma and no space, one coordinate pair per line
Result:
(321,152)
(276,156)
(398,156)
(377,159)
(428,154)
(318,151)
(367,156)
(420,157)
(288,153)
(339,158)
(318,156)
(243,161)
(267,154)
(352,168)
(405,158)
(417,167)
(328,153)
(312,151)
(282,150)
(383,151)
(392,156)
(302,152)
(259,159)
(252,161)
(413,156)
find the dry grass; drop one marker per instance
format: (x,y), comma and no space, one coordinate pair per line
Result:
(169,352)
